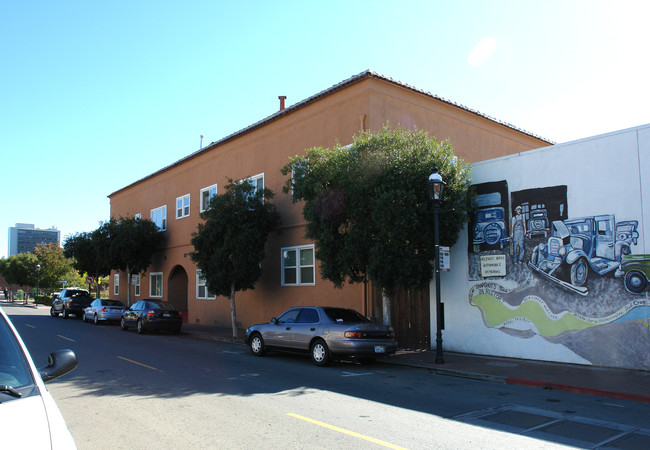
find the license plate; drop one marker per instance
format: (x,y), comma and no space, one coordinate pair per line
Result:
(166,315)
(380,349)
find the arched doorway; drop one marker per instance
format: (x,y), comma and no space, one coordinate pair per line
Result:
(178,290)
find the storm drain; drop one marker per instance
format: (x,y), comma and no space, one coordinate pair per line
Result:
(559,428)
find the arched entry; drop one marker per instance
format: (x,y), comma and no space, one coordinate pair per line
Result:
(178,290)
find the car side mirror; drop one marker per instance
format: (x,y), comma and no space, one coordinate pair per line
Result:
(59,363)
(274,321)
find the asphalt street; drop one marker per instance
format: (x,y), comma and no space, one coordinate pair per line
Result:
(165,391)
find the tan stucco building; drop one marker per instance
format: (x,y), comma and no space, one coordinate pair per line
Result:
(174,195)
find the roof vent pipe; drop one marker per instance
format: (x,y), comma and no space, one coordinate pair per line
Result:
(282,99)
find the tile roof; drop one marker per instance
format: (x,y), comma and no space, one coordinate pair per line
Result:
(337,87)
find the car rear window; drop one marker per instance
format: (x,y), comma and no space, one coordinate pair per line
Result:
(344,315)
(112,303)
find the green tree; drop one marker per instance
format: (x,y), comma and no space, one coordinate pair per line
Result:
(229,245)
(89,251)
(20,269)
(54,265)
(368,210)
(129,244)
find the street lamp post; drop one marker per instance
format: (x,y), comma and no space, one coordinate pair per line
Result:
(38,282)
(434,187)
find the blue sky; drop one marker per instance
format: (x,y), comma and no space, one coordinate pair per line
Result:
(96,95)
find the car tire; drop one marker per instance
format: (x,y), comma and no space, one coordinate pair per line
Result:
(579,272)
(123,324)
(635,282)
(95,319)
(320,353)
(177,331)
(53,313)
(256,344)
(140,327)
(66,315)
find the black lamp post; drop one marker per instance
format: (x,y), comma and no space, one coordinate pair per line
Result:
(434,187)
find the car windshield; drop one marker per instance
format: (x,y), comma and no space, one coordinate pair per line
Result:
(344,315)
(161,305)
(112,303)
(14,369)
(488,215)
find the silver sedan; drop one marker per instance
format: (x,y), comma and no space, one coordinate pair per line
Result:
(104,310)
(327,333)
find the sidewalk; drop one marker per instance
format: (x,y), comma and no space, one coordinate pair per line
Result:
(615,383)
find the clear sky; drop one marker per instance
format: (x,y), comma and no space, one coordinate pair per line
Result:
(96,95)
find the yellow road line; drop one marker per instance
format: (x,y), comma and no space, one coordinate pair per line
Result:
(341,430)
(135,362)
(66,338)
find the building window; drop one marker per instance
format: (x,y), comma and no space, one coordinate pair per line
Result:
(138,216)
(136,285)
(155,284)
(159,217)
(257,182)
(206,195)
(297,173)
(298,268)
(116,284)
(202,290)
(183,206)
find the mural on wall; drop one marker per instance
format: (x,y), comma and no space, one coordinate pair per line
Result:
(574,281)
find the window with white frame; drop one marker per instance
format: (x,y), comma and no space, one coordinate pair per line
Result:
(297,172)
(136,284)
(257,182)
(202,290)
(155,284)
(159,217)
(206,195)
(298,268)
(116,284)
(183,206)
(138,216)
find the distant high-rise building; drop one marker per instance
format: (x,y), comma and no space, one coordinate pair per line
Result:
(24,237)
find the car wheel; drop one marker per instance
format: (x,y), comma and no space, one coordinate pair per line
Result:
(177,331)
(635,282)
(256,345)
(83,316)
(66,315)
(53,313)
(123,324)
(140,327)
(320,353)
(579,272)
(95,319)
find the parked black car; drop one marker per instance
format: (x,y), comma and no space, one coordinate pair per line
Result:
(70,301)
(152,315)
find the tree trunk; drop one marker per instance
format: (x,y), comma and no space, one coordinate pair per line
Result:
(233,314)
(128,287)
(385,306)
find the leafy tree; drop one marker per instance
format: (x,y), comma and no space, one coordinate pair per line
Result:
(229,246)
(128,245)
(368,210)
(54,265)
(89,251)
(20,269)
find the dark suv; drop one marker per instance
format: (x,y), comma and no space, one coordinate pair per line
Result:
(71,301)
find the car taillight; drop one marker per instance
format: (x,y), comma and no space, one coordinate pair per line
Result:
(103,309)
(353,334)
(67,302)
(180,314)
(151,313)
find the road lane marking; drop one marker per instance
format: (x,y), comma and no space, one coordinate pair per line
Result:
(352,374)
(30,326)
(344,431)
(135,362)
(66,338)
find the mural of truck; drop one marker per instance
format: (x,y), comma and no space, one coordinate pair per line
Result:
(490,227)
(635,271)
(538,223)
(578,246)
